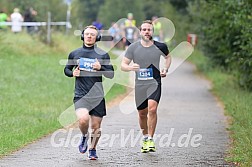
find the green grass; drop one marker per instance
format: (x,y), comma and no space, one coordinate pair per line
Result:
(34,89)
(238,105)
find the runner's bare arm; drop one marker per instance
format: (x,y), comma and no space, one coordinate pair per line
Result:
(126,67)
(167,62)
(166,66)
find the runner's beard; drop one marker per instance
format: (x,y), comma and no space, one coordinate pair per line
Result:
(146,39)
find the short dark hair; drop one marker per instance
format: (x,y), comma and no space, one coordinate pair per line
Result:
(148,22)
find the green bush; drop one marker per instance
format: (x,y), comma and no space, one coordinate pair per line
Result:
(244,43)
(226,31)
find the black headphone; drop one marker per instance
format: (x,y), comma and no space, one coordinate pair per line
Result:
(98,37)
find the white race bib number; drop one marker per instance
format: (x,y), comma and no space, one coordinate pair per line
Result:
(86,64)
(145,74)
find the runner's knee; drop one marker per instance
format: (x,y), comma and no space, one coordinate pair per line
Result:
(84,121)
(95,126)
(142,113)
(152,108)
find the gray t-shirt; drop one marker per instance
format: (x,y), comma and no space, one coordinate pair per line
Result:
(148,59)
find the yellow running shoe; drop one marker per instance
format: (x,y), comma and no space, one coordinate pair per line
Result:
(144,148)
(151,145)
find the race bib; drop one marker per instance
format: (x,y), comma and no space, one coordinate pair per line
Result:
(86,64)
(145,74)
(130,34)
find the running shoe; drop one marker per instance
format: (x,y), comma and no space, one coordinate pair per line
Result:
(83,144)
(151,145)
(145,148)
(92,154)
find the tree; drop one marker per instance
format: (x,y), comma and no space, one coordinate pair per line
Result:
(153,8)
(114,10)
(180,5)
(243,56)
(227,37)
(87,11)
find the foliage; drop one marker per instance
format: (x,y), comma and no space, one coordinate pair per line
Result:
(179,5)
(152,8)
(225,28)
(86,11)
(243,43)
(181,27)
(114,10)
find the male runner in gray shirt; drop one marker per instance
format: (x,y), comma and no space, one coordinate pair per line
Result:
(145,55)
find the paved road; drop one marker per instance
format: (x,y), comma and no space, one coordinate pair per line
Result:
(190,132)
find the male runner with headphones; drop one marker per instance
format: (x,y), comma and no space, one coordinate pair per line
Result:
(87,64)
(145,55)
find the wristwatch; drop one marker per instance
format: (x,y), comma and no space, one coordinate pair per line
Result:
(166,70)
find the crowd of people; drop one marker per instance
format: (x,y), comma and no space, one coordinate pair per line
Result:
(127,32)
(16,18)
(123,33)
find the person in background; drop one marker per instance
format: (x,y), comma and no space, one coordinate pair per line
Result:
(16,19)
(130,30)
(98,24)
(114,31)
(130,20)
(158,32)
(3,18)
(29,16)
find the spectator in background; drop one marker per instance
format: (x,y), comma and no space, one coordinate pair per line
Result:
(3,18)
(98,24)
(130,30)
(16,19)
(158,33)
(130,20)
(114,31)
(29,16)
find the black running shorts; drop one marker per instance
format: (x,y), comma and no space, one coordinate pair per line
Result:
(145,92)
(95,106)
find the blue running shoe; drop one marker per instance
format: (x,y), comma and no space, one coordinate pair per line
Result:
(92,154)
(83,145)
